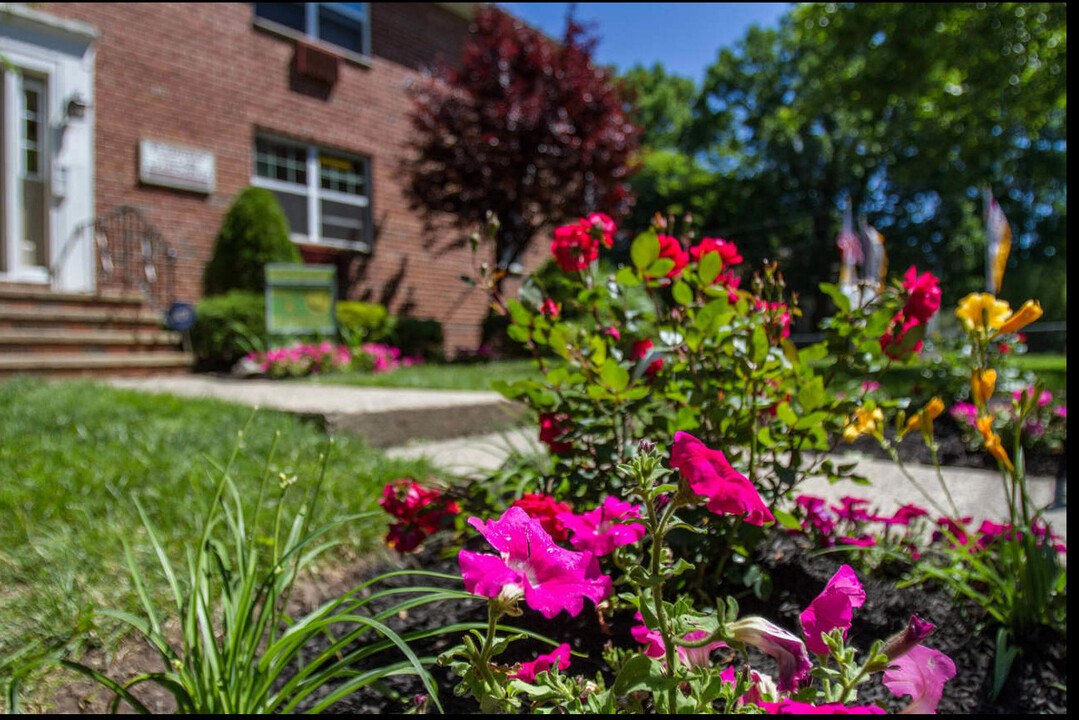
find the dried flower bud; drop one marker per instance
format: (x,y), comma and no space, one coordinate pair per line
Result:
(902,642)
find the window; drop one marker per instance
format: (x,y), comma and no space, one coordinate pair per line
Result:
(324,193)
(344,25)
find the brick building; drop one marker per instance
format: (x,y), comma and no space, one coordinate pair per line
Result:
(175,108)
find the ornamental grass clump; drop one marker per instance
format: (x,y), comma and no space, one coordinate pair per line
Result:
(685,660)
(240,649)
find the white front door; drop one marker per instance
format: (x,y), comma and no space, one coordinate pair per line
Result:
(25,237)
(46,149)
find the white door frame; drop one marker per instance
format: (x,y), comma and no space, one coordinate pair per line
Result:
(61,54)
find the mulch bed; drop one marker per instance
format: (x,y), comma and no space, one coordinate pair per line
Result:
(1035,684)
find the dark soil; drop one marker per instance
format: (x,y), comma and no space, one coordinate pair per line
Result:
(953,450)
(1034,685)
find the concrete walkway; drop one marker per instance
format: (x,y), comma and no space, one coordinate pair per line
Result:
(466,432)
(978,493)
(382,416)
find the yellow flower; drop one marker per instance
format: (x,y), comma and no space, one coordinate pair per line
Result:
(1031,311)
(863,423)
(982,384)
(992,441)
(924,419)
(982,311)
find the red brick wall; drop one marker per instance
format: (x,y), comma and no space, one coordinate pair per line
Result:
(201,75)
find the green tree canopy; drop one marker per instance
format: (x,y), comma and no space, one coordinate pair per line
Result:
(908,109)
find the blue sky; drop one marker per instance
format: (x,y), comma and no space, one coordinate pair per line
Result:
(685,37)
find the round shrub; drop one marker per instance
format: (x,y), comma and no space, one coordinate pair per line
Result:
(253,233)
(362,322)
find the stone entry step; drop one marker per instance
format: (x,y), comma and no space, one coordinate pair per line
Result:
(93,364)
(381,416)
(63,334)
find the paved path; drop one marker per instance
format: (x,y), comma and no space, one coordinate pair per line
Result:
(978,493)
(382,416)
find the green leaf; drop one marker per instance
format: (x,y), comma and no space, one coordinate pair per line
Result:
(626,276)
(614,375)
(786,519)
(790,352)
(758,346)
(711,265)
(841,301)
(518,333)
(660,268)
(557,375)
(682,294)
(785,414)
(811,395)
(645,249)
(641,672)
(520,315)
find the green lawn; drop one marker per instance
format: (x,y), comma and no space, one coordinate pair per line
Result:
(73,454)
(444,377)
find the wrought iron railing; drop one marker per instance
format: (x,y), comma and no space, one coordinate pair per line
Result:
(131,255)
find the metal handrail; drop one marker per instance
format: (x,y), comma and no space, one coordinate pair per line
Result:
(128,249)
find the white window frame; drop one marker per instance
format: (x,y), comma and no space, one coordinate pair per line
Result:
(310,32)
(315,193)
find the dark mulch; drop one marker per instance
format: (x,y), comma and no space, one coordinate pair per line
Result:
(797,577)
(953,450)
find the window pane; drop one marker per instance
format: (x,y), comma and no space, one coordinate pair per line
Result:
(295,207)
(343,31)
(287,14)
(279,161)
(341,221)
(346,175)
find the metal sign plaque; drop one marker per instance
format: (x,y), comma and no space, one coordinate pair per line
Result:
(178,167)
(301,298)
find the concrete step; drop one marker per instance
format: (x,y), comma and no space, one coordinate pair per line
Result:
(79,317)
(94,364)
(381,416)
(16,295)
(15,339)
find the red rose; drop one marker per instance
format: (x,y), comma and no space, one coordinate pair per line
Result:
(778,315)
(603,224)
(545,509)
(553,426)
(923,295)
(671,249)
(550,309)
(573,247)
(728,251)
(894,342)
(640,348)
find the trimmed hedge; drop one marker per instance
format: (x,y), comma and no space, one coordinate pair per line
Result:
(227,327)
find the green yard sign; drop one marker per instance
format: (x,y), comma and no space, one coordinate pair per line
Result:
(301,298)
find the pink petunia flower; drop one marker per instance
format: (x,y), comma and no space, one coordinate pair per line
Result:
(529,564)
(529,670)
(709,474)
(833,608)
(905,514)
(598,530)
(861,541)
(920,673)
(788,651)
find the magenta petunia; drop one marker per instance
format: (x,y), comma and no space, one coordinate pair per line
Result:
(600,531)
(529,670)
(709,474)
(920,673)
(787,649)
(905,514)
(550,578)
(833,608)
